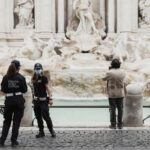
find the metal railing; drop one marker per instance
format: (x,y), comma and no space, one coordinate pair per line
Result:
(76,106)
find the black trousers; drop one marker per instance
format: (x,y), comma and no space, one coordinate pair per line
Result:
(14,110)
(116,103)
(41,111)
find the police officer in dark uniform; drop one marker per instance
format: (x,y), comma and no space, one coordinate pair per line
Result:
(13,85)
(42,97)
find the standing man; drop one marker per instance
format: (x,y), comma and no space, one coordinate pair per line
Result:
(41,100)
(13,85)
(115,90)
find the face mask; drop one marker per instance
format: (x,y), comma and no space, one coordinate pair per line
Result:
(38,72)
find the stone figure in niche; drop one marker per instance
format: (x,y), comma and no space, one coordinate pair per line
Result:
(144,13)
(85,25)
(24,11)
(83,11)
(85,20)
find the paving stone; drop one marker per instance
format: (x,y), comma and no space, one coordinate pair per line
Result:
(84,139)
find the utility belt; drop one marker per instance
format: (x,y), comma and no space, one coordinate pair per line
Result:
(13,94)
(40,98)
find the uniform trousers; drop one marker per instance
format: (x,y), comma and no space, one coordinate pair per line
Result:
(41,111)
(13,110)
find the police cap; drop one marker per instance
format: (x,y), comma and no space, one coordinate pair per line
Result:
(17,63)
(37,66)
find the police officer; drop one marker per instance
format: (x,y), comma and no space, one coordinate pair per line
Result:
(41,100)
(13,85)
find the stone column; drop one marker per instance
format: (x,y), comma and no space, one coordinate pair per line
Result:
(53,9)
(127,16)
(2,15)
(6,15)
(102,9)
(111,16)
(133,106)
(9,15)
(27,118)
(61,16)
(43,15)
(70,9)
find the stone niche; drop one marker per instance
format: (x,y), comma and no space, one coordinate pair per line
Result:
(24,14)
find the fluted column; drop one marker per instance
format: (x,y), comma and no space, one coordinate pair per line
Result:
(102,9)
(43,15)
(127,16)
(111,16)
(61,16)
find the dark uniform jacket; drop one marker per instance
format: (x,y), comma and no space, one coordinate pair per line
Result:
(39,86)
(16,83)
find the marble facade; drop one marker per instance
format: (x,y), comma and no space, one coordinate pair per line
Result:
(45,42)
(51,16)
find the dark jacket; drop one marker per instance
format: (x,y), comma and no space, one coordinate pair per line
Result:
(16,83)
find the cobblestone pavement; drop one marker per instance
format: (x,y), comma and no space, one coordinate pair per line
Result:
(84,139)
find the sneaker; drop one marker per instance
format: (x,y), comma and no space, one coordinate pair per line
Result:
(14,143)
(112,127)
(53,133)
(1,143)
(40,135)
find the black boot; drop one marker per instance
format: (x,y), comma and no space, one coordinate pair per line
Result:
(1,143)
(40,134)
(14,143)
(53,133)
(112,126)
(120,126)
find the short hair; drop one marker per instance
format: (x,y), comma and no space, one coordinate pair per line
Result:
(115,63)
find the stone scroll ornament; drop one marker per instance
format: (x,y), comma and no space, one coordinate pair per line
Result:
(85,25)
(24,12)
(144,13)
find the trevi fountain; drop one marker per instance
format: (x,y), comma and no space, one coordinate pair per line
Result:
(75,40)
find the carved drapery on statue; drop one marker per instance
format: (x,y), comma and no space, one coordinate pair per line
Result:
(24,11)
(85,25)
(144,13)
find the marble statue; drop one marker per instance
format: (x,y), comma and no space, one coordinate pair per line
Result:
(86,27)
(85,20)
(30,49)
(144,11)
(24,12)
(48,47)
(83,11)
